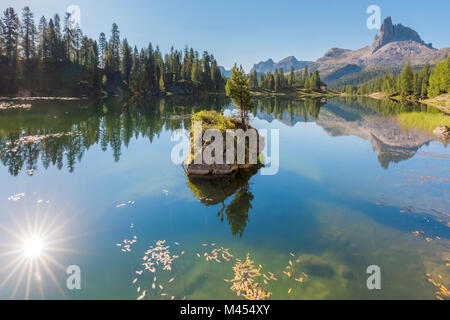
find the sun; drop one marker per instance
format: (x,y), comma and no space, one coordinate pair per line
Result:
(29,259)
(33,247)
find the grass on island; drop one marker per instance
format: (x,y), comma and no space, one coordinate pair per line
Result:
(210,120)
(215,120)
(425,121)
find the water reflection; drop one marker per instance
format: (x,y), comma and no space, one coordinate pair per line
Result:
(342,225)
(213,191)
(374,121)
(59,133)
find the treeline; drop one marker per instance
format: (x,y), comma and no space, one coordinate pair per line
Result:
(356,78)
(423,83)
(56,58)
(287,109)
(281,81)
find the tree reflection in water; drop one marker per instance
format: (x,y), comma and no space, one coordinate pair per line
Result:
(216,190)
(60,132)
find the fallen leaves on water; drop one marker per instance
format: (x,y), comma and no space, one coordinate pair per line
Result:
(443,293)
(126,246)
(246,281)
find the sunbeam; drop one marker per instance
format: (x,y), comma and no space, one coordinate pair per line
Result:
(35,239)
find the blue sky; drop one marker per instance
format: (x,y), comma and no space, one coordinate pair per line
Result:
(248,31)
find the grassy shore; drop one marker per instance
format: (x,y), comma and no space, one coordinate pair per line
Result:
(425,121)
(441,102)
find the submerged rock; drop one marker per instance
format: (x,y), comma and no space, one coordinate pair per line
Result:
(345,272)
(315,265)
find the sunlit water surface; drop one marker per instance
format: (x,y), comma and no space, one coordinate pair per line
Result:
(353,189)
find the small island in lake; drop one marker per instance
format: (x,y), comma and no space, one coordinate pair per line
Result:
(219,167)
(214,138)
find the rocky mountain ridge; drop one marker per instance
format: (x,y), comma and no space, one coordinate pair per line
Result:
(286,63)
(394,46)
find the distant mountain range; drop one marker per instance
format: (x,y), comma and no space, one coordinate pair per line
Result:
(286,64)
(226,73)
(393,47)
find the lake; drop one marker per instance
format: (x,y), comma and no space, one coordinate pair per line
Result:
(92,184)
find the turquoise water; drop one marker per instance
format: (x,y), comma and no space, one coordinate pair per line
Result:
(354,189)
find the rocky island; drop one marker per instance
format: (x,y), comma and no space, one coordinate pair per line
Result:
(218,143)
(221,166)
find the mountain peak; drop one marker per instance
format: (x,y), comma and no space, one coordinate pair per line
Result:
(391,33)
(286,63)
(289,59)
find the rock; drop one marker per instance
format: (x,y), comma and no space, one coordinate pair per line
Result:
(315,266)
(224,169)
(345,272)
(198,169)
(442,132)
(398,32)
(334,53)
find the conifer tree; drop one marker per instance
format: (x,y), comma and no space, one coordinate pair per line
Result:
(28,34)
(127,62)
(238,90)
(11,32)
(440,78)
(102,48)
(406,80)
(305,78)
(291,80)
(114,43)
(261,82)
(68,37)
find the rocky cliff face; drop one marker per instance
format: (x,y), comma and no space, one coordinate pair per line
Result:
(334,53)
(390,33)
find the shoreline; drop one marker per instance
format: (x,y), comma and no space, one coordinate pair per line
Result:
(41,98)
(429,102)
(297,93)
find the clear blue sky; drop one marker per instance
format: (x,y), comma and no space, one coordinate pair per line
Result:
(248,31)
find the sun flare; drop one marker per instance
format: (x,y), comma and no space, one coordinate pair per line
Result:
(30,258)
(33,247)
